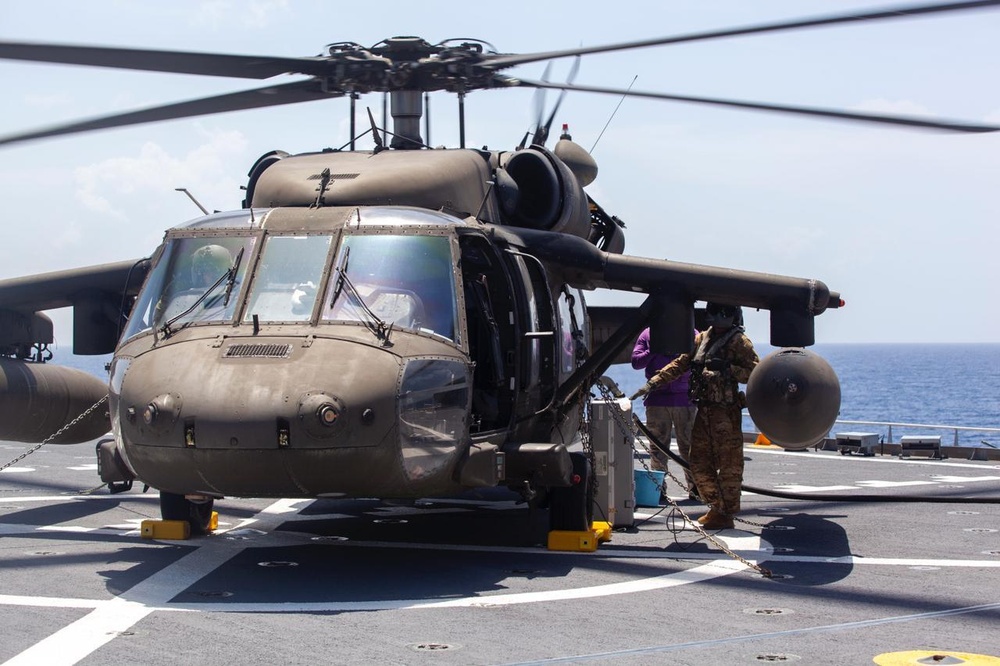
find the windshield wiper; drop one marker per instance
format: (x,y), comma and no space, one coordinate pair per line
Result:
(167,329)
(341,273)
(372,321)
(232,276)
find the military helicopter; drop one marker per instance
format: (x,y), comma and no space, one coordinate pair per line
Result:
(399,323)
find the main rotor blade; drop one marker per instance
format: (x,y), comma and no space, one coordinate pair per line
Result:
(948,125)
(503,61)
(289,93)
(178,62)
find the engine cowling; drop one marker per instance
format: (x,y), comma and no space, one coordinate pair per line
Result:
(793,397)
(549,196)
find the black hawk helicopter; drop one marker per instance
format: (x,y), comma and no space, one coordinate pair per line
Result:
(398,323)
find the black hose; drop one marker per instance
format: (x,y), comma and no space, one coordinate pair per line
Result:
(932,499)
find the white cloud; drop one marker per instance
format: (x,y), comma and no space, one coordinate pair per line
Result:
(156,170)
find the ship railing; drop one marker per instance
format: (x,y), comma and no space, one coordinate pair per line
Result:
(986,434)
(955,430)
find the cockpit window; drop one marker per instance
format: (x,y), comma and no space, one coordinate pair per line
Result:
(192,282)
(406,281)
(288,275)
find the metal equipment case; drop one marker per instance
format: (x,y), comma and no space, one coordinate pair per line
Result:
(613,463)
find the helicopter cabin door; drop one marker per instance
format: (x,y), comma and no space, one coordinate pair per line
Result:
(537,367)
(489,313)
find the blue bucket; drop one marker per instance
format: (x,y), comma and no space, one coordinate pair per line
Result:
(647,487)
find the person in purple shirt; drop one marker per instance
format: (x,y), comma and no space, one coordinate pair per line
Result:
(667,408)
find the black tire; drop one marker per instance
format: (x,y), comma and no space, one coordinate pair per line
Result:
(572,508)
(177,507)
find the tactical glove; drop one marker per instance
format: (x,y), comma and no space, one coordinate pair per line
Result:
(646,388)
(717,364)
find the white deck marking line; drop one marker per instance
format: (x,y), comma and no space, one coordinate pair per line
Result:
(50,602)
(893,484)
(13,499)
(76,641)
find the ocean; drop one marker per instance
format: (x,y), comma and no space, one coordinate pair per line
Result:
(956,385)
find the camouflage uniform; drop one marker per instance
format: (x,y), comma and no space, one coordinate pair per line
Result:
(717,437)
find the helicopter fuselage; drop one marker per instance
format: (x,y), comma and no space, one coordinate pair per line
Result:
(343,351)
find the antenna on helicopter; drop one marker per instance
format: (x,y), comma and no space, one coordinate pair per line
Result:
(191,196)
(624,95)
(379,145)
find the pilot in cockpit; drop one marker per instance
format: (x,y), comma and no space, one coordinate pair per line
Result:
(208,264)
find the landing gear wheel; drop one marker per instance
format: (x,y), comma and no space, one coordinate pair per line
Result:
(177,507)
(572,508)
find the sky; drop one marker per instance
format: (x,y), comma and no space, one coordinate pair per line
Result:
(901,222)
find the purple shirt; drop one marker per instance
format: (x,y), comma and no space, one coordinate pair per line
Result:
(674,394)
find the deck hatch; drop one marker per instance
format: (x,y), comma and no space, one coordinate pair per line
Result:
(258,351)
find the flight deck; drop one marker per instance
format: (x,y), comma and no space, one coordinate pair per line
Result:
(470,581)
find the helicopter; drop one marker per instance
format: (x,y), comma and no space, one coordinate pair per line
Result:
(400,322)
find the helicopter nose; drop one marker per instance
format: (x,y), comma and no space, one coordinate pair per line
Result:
(305,409)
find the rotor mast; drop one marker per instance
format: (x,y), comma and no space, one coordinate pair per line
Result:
(407,108)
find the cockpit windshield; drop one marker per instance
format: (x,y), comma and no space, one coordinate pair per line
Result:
(287,278)
(196,280)
(377,276)
(406,281)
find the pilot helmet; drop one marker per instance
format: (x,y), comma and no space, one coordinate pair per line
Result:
(210,262)
(721,316)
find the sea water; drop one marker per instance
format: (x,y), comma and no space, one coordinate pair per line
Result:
(930,384)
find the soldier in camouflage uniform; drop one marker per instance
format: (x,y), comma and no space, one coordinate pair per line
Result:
(723,359)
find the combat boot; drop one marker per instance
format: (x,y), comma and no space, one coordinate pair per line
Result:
(711,515)
(716,520)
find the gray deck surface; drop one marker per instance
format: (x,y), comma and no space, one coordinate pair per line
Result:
(468,581)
